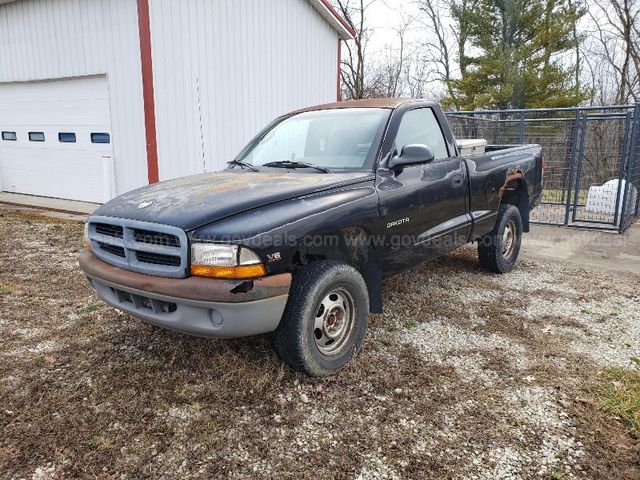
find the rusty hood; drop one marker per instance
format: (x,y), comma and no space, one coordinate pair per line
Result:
(193,201)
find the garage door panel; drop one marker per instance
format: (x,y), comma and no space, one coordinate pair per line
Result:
(45,161)
(82,112)
(72,170)
(55,185)
(82,133)
(64,89)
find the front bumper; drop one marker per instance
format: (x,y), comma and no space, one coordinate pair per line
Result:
(194,305)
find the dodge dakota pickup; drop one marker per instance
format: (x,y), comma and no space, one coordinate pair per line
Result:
(295,236)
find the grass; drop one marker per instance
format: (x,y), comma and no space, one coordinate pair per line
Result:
(89,308)
(410,324)
(621,396)
(5,288)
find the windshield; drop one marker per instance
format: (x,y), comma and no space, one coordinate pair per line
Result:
(341,138)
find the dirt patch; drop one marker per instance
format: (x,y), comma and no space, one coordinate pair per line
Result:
(465,375)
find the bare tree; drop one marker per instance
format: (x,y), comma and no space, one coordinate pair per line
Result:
(447,26)
(461,28)
(437,44)
(617,30)
(354,64)
(389,77)
(392,71)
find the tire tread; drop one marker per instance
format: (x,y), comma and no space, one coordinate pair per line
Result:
(489,246)
(286,339)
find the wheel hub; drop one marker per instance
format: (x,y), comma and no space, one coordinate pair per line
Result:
(334,322)
(509,240)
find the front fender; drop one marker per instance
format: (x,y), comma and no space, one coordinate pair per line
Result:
(298,229)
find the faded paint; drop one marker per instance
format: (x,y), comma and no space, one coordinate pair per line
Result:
(198,199)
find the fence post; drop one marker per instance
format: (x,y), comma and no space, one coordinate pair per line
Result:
(635,132)
(621,171)
(495,128)
(572,157)
(576,189)
(521,128)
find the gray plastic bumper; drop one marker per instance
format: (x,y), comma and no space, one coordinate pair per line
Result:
(206,319)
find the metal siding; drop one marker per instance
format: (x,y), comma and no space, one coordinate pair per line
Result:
(51,39)
(252,59)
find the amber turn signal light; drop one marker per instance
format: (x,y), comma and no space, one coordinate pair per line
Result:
(238,272)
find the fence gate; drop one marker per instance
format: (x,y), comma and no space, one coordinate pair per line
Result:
(591,156)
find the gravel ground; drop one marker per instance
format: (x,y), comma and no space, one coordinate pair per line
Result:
(466,375)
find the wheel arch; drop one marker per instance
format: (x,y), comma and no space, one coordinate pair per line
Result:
(515,192)
(352,245)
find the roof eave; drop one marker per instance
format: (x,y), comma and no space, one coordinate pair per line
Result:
(334,19)
(322,6)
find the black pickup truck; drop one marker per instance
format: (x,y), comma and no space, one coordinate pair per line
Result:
(296,235)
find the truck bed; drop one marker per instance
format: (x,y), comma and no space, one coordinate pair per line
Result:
(487,174)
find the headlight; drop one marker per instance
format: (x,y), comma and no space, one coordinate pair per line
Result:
(87,241)
(225,261)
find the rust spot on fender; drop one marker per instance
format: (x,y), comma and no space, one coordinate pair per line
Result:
(511,180)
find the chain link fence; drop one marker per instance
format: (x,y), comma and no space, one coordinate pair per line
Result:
(591,159)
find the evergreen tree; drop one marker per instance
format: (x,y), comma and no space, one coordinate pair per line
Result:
(518,54)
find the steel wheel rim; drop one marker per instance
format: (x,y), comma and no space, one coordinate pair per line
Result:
(509,240)
(334,321)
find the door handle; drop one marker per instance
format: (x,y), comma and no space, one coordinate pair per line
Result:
(456,180)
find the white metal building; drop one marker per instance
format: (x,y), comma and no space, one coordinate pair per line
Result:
(98,97)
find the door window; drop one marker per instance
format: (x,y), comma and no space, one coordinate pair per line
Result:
(421,127)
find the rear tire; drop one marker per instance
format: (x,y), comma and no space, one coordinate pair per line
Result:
(325,320)
(498,250)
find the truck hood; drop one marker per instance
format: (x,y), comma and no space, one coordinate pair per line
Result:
(191,202)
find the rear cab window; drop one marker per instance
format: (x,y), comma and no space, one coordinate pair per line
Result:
(420,126)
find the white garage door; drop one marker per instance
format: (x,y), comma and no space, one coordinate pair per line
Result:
(54,137)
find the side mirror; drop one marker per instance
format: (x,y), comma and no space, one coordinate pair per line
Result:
(412,155)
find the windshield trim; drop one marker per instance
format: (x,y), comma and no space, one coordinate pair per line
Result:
(372,157)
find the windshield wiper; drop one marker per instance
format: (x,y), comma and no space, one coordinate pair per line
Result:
(244,164)
(295,164)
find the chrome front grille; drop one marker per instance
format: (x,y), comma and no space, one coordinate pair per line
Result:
(142,247)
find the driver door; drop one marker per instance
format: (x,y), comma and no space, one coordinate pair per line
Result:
(423,208)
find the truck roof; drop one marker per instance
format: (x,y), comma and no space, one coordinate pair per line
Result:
(366,103)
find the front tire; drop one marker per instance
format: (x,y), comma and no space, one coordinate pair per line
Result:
(498,250)
(325,320)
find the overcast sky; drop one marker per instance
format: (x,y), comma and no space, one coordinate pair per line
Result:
(384,16)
